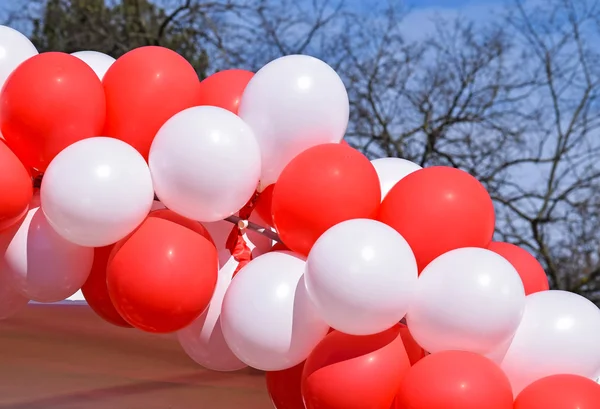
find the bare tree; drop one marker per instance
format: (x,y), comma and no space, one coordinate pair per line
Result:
(558,214)
(514,104)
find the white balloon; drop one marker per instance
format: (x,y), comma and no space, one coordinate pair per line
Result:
(203,340)
(97,191)
(156,205)
(559,334)
(268,319)
(497,355)
(469,299)
(391,171)
(14,49)
(361,275)
(219,231)
(99,62)
(11,300)
(205,163)
(293,103)
(39,263)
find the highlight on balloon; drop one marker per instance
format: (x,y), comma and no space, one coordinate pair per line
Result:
(232,213)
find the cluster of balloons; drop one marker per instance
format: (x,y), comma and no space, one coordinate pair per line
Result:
(365,245)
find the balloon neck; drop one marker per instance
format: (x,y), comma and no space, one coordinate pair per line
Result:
(236,244)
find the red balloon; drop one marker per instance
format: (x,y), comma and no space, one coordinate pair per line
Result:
(95,289)
(439,209)
(355,372)
(321,187)
(279,247)
(224,89)
(49,102)
(162,277)
(455,380)
(284,387)
(185,222)
(144,88)
(414,351)
(15,186)
(264,204)
(560,392)
(531,271)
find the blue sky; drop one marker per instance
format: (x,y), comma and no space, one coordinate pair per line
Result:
(436,6)
(416,25)
(414,4)
(456,5)
(419,20)
(448,3)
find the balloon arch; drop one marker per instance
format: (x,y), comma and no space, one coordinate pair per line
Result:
(352,283)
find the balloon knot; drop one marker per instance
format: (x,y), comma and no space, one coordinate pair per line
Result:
(238,247)
(236,243)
